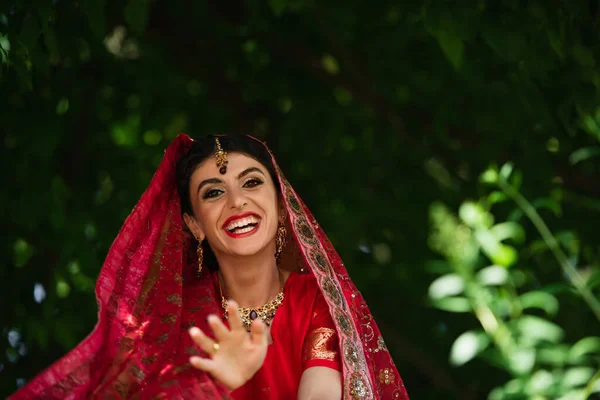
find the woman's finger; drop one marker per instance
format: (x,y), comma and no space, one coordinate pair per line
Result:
(206,344)
(218,327)
(235,322)
(204,364)
(258,331)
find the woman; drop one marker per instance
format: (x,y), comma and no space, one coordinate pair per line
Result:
(220,221)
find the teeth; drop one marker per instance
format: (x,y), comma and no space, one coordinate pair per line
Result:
(244,230)
(242,222)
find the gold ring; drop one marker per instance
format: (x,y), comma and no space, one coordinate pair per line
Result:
(215,347)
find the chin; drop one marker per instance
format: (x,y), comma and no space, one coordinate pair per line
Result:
(248,246)
(248,249)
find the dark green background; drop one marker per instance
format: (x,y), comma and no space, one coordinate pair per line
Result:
(374,110)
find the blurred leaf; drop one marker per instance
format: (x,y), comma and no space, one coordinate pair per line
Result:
(499,253)
(496,197)
(516,180)
(591,125)
(330,64)
(489,176)
(94,10)
(593,280)
(437,266)
(436,169)
(493,275)
(571,243)
(548,204)
(521,361)
(22,65)
(278,6)
(505,171)
(508,230)
(592,387)
(126,134)
(538,329)
(584,154)
(382,253)
(467,346)
(342,96)
(4,48)
(573,395)
(578,376)
(62,106)
(515,215)
(445,286)
(23,251)
(540,381)
(474,215)
(453,48)
(39,332)
(497,394)
(152,137)
(51,43)
(64,333)
(136,15)
(453,304)
(557,43)
(583,55)
(542,300)
(509,44)
(585,346)
(62,289)
(554,355)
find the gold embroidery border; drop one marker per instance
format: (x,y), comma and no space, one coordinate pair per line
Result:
(357,380)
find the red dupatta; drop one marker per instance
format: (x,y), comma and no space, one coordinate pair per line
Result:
(148,296)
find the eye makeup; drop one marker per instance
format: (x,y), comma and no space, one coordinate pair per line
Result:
(250,183)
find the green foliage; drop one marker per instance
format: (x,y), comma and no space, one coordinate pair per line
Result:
(381,114)
(507,299)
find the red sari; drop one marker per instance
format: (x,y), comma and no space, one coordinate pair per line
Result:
(303,335)
(148,296)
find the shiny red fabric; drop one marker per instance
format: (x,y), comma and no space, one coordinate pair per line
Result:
(148,296)
(280,374)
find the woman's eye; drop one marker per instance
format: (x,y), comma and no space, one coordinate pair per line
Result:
(211,194)
(250,183)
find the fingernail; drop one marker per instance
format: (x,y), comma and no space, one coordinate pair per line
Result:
(193,330)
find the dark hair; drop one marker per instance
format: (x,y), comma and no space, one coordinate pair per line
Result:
(204,148)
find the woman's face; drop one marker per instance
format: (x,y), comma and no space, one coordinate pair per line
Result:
(236,212)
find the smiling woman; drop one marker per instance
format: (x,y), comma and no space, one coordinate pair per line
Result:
(219,221)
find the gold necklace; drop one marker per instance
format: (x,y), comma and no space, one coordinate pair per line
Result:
(248,314)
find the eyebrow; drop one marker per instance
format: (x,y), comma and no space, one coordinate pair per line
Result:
(208,182)
(240,176)
(249,170)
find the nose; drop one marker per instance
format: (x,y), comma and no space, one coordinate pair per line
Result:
(237,199)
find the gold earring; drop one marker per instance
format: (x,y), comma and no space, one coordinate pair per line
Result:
(280,240)
(200,253)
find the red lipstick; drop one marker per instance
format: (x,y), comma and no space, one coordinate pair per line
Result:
(240,216)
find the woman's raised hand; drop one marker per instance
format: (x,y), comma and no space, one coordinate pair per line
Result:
(236,355)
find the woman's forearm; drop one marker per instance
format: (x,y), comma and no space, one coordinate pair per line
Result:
(320,383)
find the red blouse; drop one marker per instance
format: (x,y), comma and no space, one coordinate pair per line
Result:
(303,335)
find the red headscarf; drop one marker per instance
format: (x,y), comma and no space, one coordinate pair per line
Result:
(140,346)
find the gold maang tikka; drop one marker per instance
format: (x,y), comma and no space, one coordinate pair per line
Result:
(221,158)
